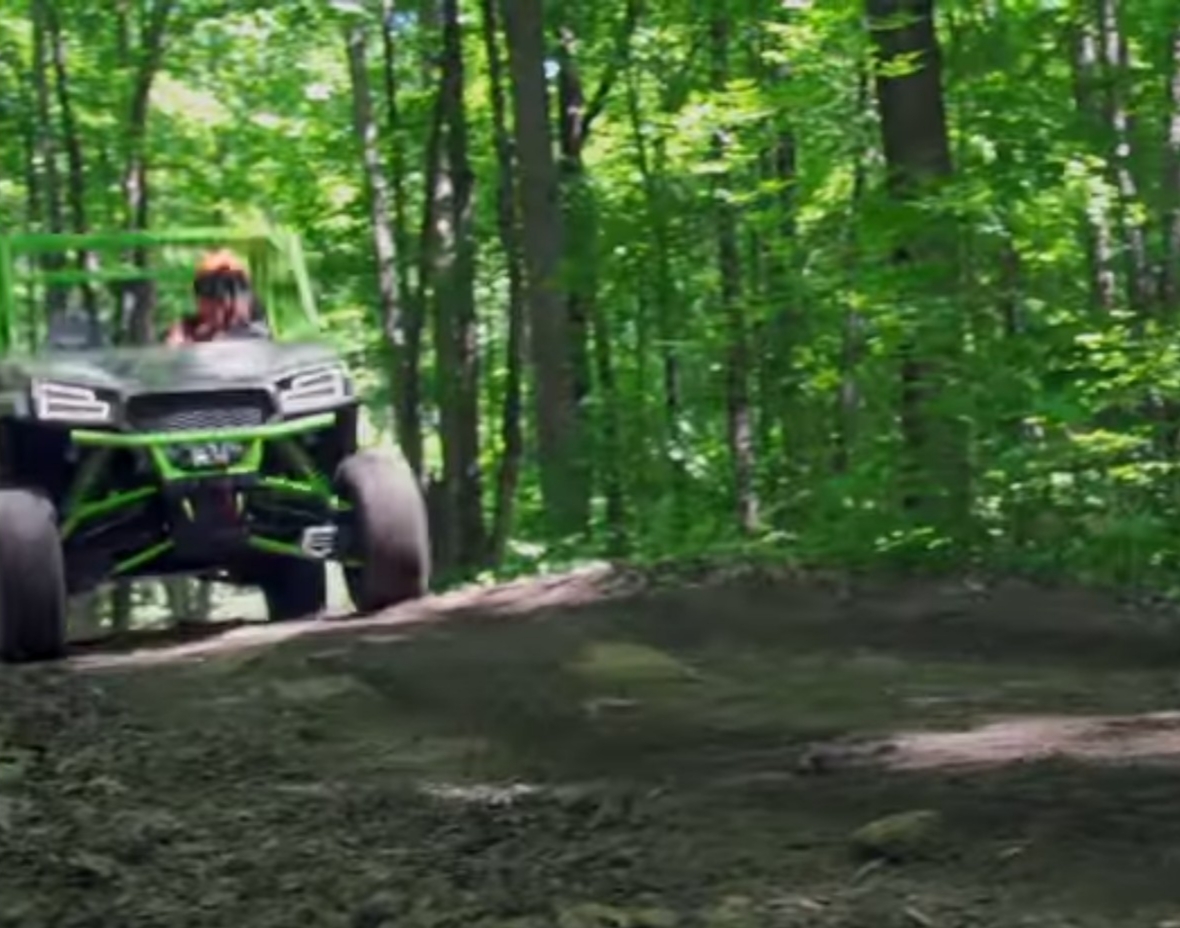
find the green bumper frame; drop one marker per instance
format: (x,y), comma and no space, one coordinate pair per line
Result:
(82,506)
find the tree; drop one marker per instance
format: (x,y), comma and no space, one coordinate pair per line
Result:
(563,471)
(917,159)
(737,354)
(461,527)
(508,228)
(576,116)
(365,129)
(729,278)
(1171,182)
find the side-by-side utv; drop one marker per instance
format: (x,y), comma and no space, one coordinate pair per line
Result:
(235,460)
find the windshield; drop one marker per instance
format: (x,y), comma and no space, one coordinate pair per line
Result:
(79,317)
(74,292)
(72,329)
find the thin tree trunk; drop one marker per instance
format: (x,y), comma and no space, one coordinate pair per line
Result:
(1115,67)
(435,210)
(138,300)
(664,292)
(511,433)
(848,397)
(1099,238)
(612,444)
(407,403)
(578,214)
(411,402)
(1171,184)
(737,354)
(397,155)
(151,53)
(76,177)
(34,207)
(384,247)
(46,149)
(455,319)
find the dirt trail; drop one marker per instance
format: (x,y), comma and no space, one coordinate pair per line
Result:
(594,750)
(202,641)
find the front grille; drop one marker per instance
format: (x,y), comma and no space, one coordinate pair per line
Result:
(178,412)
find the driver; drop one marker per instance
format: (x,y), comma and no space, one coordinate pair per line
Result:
(226,305)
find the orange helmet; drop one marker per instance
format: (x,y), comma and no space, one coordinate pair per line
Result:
(221,261)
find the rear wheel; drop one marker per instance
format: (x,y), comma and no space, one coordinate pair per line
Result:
(293,589)
(391,537)
(32,579)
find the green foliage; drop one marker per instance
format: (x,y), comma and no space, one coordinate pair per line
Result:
(1069,408)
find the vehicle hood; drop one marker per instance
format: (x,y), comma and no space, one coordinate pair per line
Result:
(223,365)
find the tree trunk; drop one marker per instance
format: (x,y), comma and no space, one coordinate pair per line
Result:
(384,248)
(564,483)
(17,117)
(427,243)
(138,299)
(1099,238)
(76,177)
(917,156)
(1171,185)
(397,155)
(1115,67)
(511,433)
(650,169)
(34,211)
(407,403)
(576,118)
(848,397)
(456,341)
(578,214)
(46,149)
(784,327)
(737,360)
(780,327)
(151,53)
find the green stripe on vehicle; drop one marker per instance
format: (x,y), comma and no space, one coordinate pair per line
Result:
(316,489)
(100,507)
(100,439)
(143,557)
(274,546)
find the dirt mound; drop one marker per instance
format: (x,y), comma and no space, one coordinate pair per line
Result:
(197,641)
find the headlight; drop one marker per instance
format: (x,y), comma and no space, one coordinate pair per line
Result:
(63,402)
(312,390)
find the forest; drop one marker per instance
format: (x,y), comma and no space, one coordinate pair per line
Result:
(836,282)
(794,388)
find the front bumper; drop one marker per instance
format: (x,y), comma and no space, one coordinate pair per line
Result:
(204,508)
(288,428)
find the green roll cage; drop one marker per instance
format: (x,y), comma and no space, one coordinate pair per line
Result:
(275,257)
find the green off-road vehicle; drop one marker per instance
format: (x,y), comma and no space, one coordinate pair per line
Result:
(235,460)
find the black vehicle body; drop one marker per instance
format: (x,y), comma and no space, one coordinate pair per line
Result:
(194,468)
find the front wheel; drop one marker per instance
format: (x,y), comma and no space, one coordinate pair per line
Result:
(32,579)
(390,547)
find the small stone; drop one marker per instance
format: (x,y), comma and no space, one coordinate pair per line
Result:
(378,911)
(898,837)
